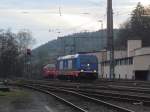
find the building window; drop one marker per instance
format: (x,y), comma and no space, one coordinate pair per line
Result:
(131,61)
(126,62)
(119,62)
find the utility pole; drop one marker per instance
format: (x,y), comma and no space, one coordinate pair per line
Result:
(110,41)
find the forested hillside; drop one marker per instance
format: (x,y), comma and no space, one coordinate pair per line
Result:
(71,44)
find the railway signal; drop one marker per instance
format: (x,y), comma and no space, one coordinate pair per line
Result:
(28,63)
(29,52)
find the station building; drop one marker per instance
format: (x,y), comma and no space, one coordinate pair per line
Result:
(133,63)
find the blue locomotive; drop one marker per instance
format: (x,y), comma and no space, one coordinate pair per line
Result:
(78,66)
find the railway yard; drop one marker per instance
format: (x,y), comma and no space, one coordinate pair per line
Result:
(75,56)
(68,96)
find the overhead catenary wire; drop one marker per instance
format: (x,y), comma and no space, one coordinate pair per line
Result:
(87,13)
(76,27)
(72,28)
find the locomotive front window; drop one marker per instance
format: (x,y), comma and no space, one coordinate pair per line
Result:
(88,60)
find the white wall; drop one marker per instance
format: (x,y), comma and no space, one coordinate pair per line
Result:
(141,62)
(125,71)
(132,45)
(106,72)
(142,51)
(118,54)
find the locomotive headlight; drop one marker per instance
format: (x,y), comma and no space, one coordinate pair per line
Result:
(82,70)
(95,71)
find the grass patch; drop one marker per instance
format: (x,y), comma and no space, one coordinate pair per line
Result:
(16,99)
(14,95)
(20,81)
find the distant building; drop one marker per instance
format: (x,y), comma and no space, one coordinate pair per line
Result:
(133,63)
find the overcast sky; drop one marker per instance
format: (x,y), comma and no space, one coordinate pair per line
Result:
(42,17)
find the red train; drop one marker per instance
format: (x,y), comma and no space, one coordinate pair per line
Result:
(49,71)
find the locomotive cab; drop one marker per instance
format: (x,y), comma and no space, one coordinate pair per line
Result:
(88,66)
(77,66)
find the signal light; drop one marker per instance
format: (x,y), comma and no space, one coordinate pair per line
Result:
(28,51)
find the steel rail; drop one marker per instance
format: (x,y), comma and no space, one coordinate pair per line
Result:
(99,81)
(119,108)
(105,94)
(57,97)
(106,87)
(112,87)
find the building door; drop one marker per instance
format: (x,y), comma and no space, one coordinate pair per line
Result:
(142,75)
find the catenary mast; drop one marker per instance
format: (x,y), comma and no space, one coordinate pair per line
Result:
(110,40)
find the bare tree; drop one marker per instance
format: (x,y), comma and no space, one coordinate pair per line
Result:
(12,51)
(25,40)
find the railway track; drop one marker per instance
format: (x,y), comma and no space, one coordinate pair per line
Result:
(144,84)
(56,93)
(102,95)
(114,92)
(110,87)
(105,95)
(56,96)
(115,88)
(131,83)
(120,84)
